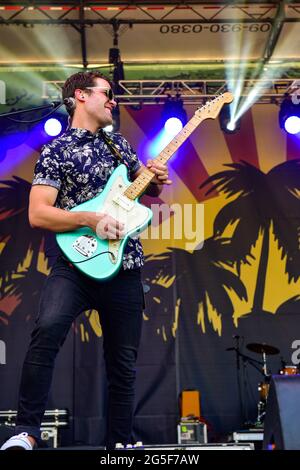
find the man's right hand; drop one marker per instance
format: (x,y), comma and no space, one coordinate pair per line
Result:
(105,226)
(43,214)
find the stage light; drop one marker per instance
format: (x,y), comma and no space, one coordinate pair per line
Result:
(227,122)
(53,127)
(289,116)
(173,115)
(292,124)
(173,125)
(231,126)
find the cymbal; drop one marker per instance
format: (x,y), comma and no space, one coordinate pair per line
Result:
(262,348)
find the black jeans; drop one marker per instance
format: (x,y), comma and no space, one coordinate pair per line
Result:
(66,294)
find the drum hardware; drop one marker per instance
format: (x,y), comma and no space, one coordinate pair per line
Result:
(287,369)
(262,366)
(262,348)
(263,387)
(265,350)
(242,360)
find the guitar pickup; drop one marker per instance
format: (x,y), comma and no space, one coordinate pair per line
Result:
(124,202)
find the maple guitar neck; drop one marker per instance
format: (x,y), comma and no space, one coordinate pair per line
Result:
(208,111)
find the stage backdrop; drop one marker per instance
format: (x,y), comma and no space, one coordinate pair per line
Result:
(235,280)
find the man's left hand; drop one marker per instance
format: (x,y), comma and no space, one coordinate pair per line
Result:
(160,170)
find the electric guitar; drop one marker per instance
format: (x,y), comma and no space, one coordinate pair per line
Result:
(101,259)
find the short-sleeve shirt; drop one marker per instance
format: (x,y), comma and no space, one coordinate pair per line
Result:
(78,164)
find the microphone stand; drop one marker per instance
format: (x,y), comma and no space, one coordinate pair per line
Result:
(55,105)
(38,108)
(238,355)
(240,388)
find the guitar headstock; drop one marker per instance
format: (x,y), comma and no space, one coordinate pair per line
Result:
(212,108)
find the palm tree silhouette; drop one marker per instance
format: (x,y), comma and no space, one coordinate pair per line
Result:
(15,227)
(290,306)
(202,272)
(19,238)
(263,202)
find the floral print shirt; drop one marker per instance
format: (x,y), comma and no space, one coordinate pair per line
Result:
(78,164)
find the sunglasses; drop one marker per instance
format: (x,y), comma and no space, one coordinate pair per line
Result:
(107,91)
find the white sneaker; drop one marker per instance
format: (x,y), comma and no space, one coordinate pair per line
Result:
(18,442)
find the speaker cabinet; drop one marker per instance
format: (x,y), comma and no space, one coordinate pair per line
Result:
(282,420)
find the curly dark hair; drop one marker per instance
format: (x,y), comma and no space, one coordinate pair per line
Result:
(80,80)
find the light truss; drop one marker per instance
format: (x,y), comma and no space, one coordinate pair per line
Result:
(196,92)
(31,12)
(114,15)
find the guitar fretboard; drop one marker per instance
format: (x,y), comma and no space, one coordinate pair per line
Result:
(141,183)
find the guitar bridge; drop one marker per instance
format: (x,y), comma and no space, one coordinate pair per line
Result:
(86,245)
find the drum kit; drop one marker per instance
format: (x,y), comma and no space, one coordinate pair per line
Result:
(263,387)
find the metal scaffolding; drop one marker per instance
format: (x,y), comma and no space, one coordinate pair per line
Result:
(196,92)
(115,15)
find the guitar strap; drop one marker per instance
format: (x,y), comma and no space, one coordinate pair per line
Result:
(112,146)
